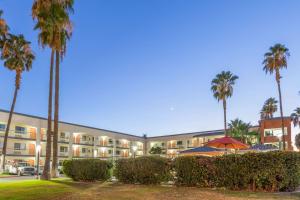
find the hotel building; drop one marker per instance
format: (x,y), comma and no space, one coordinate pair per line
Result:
(78,141)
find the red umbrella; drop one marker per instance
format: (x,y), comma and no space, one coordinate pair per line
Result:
(227,143)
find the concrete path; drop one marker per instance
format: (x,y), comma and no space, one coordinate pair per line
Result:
(16,178)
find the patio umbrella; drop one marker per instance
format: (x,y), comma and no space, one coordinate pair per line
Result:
(227,143)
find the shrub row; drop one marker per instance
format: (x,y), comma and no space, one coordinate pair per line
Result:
(143,170)
(271,171)
(87,169)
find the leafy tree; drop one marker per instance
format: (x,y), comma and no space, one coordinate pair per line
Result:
(222,88)
(269,108)
(241,130)
(155,150)
(17,57)
(275,60)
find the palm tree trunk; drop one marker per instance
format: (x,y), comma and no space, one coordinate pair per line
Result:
(46,171)
(281,113)
(8,126)
(56,111)
(225,120)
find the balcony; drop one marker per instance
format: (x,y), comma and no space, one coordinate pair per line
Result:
(22,152)
(64,139)
(86,142)
(123,146)
(105,143)
(63,154)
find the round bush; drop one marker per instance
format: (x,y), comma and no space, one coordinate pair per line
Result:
(87,169)
(143,170)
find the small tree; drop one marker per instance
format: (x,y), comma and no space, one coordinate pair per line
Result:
(155,150)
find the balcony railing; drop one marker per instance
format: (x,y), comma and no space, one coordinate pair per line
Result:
(124,146)
(64,139)
(64,154)
(87,142)
(23,152)
(105,144)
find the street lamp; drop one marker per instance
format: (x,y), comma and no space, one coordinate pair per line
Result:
(134,148)
(38,150)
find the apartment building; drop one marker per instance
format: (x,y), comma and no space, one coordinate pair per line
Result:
(271,132)
(77,141)
(74,141)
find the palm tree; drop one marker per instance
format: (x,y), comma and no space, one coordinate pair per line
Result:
(18,57)
(222,88)
(65,33)
(296,117)
(3,26)
(269,108)
(55,28)
(239,129)
(275,60)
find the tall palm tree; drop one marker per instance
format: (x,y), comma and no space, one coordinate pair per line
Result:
(269,108)
(296,117)
(18,57)
(65,33)
(275,60)
(55,28)
(222,88)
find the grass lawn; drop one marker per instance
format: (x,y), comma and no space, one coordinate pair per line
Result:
(66,189)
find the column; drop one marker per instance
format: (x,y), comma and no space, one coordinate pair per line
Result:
(71,138)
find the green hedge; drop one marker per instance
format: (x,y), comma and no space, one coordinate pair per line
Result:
(87,169)
(192,171)
(143,170)
(271,171)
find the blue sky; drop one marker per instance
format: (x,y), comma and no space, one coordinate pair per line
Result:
(145,66)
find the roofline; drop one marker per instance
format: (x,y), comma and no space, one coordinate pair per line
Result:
(190,133)
(80,125)
(276,118)
(141,137)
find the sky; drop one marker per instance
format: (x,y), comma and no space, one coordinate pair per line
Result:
(145,66)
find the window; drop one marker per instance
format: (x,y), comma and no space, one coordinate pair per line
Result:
(63,149)
(20,130)
(277,132)
(110,141)
(117,142)
(118,152)
(63,135)
(19,146)
(162,144)
(83,150)
(2,127)
(179,142)
(109,151)
(84,138)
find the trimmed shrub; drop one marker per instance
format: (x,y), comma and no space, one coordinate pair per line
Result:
(143,170)
(87,169)
(192,171)
(270,171)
